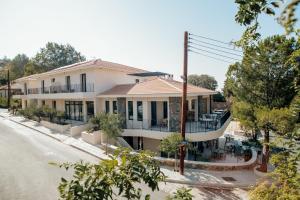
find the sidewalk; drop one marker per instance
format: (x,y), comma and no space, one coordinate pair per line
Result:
(202,178)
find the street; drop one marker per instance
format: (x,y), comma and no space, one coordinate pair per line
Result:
(26,175)
(24,169)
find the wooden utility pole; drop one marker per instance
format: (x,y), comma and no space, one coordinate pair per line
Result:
(183,104)
(8,90)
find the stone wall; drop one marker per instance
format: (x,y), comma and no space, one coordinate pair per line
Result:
(174,111)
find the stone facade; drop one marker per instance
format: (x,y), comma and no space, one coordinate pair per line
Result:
(174,109)
(121,104)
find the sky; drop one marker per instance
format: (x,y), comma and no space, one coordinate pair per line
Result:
(147,34)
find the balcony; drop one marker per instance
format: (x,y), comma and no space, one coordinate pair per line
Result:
(204,124)
(75,88)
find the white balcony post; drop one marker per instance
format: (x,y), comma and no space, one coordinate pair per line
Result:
(84,110)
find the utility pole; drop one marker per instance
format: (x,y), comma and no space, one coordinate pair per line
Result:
(183,104)
(8,90)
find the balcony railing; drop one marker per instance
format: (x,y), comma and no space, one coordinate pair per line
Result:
(203,125)
(62,89)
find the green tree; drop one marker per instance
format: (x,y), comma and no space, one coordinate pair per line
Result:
(111,126)
(264,82)
(170,145)
(17,66)
(112,178)
(56,55)
(249,12)
(32,68)
(203,80)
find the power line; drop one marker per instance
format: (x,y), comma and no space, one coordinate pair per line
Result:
(215,49)
(213,53)
(215,45)
(207,38)
(210,56)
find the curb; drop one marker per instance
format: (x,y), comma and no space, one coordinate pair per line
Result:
(168,180)
(211,185)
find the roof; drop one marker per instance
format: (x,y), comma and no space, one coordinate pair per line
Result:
(146,74)
(96,63)
(12,86)
(154,87)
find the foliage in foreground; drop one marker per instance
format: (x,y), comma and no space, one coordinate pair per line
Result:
(118,176)
(284,183)
(181,194)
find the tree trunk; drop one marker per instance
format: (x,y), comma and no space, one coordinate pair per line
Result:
(265,154)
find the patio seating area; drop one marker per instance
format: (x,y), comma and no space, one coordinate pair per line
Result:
(226,149)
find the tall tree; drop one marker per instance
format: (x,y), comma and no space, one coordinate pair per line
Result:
(203,80)
(52,56)
(17,66)
(264,82)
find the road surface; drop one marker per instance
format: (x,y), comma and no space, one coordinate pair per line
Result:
(24,170)
(26,175)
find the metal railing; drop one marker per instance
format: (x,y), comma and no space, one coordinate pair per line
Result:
(203,125)
(62,89)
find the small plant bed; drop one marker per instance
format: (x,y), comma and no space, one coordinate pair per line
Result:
(43,113)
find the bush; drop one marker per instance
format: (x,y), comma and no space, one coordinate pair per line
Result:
(45,113)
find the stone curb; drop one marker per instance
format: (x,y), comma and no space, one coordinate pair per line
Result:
(210,185)
(194,183)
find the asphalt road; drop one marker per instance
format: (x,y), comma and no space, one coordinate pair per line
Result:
(24,170)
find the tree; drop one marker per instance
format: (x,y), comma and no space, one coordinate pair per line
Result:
(32,68)
(264,82)
(111,126)
(250,10)
(203,80)
(56,55)
(112,178)
(17,66)
(170,145)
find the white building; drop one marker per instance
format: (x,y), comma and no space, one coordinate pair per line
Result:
(150,102)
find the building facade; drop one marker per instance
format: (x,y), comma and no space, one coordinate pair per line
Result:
(149,102)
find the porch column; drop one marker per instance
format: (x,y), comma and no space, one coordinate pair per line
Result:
(96,104)
(24,101)
(174,111)
(210,103)
(196,110)
(121,106)
(84,110)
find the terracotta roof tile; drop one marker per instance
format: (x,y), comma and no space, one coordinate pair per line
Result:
(154,86)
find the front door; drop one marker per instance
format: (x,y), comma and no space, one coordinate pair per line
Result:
(153,113)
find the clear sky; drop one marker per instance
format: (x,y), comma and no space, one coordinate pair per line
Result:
(140,33)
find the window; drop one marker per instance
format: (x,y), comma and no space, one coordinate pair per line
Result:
(53,80)
(43,102)
(43,86)
(165,107)
(73,110)
(139,106)
(54,105)
(83,82)
(130,110)
(68,83)
(137,80)
(107,106)
(115,107)
(90,108)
